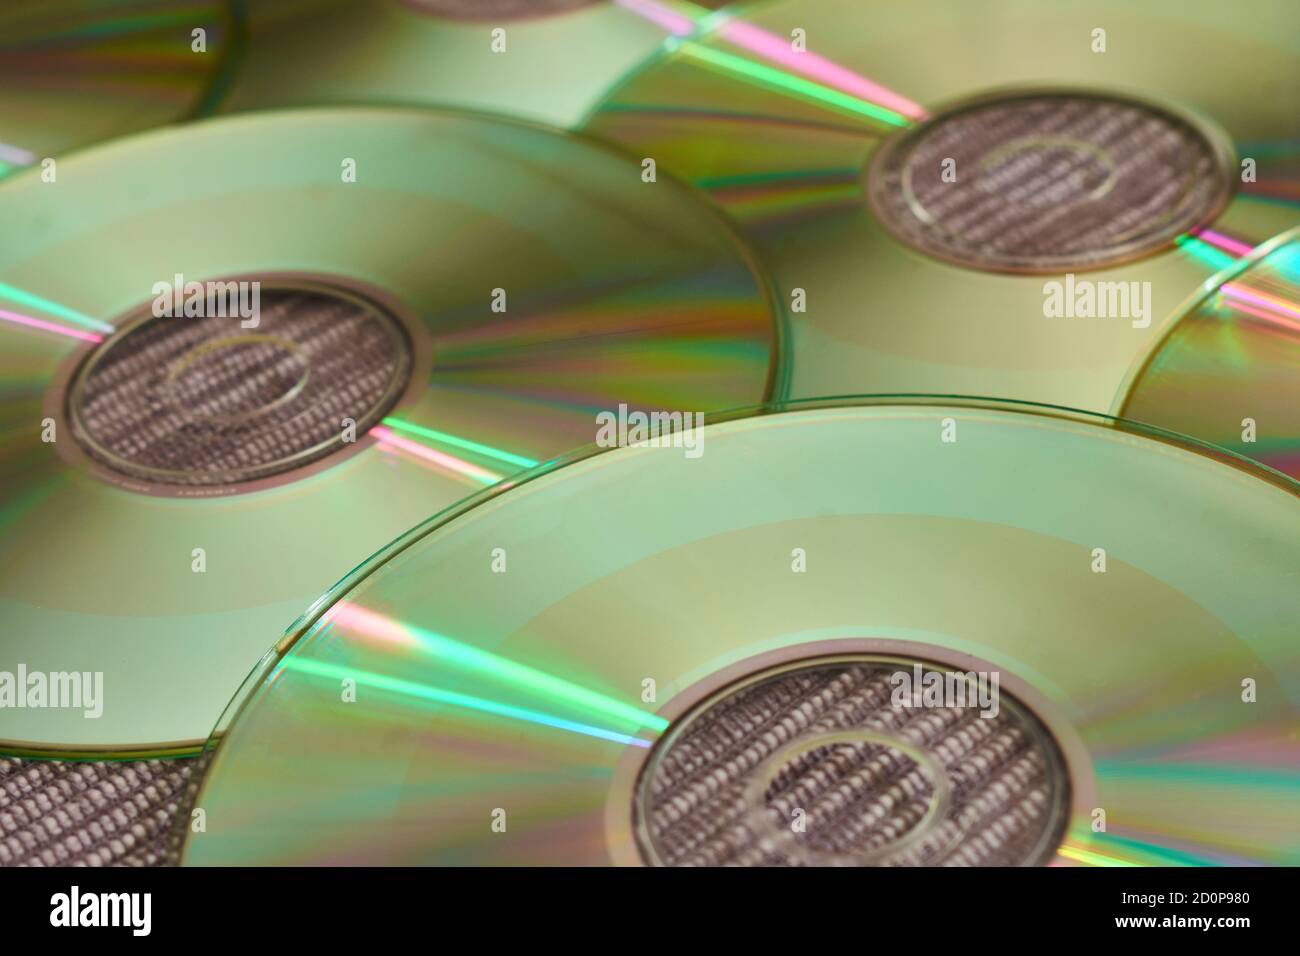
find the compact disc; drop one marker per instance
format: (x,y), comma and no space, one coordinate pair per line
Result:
(1009,198)
(1227,369)
(75,72)
(848,633)
(240,356)
(547,60)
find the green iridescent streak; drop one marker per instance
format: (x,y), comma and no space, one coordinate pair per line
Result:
(1202,250)
(1269,148)
(1093,858)
(465,443)
(440,696)
(1229,343)
(16,506)
(1163,854)
(1287,261)
(782,82)
(32,301)
(784,176)
(129,25)
(1251,777)
(520,676)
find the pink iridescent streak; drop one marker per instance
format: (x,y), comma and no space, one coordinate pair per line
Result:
(1226,243)
(1237,291)
(49,326)
(387,437)
(775,48)
(1267,309)
(360,621)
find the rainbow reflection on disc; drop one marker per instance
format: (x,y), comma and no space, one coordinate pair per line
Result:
(179,488)
(1229,369)
(531,659)
(921,172)
(76,72)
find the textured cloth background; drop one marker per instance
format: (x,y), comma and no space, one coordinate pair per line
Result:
(70,813)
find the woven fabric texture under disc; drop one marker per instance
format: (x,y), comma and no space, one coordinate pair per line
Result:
(856,798)
(202,400)
(64,813)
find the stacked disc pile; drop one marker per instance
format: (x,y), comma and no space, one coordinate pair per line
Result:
(648,432)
